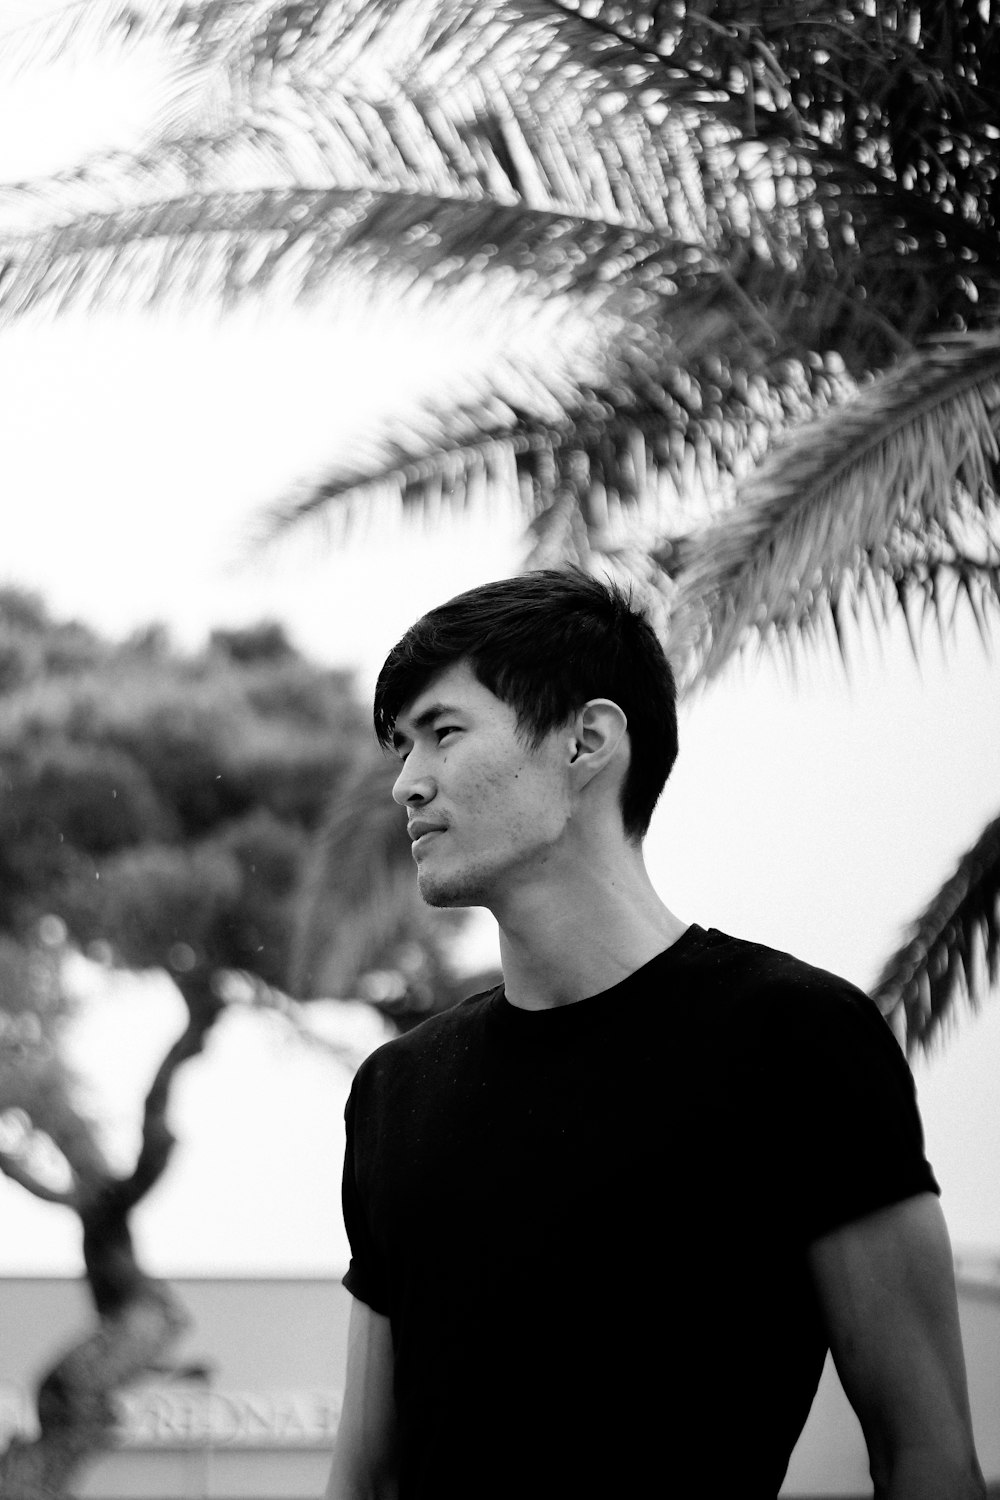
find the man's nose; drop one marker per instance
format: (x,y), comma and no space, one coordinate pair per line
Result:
(413,786)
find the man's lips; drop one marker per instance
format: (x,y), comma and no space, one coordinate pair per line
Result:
(421,829)
(424,839)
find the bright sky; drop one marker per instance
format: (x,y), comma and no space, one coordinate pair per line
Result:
(816,816)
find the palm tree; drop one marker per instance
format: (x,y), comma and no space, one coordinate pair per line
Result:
(764,236)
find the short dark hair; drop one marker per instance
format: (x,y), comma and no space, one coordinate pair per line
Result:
(545,643)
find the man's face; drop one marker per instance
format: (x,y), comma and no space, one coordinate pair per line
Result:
(486,809)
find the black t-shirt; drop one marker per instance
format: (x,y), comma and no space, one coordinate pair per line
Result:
(588,1224)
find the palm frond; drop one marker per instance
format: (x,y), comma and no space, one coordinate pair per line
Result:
(415,96)
(953,947)
(406,143)
(443,43)
(566,132)
(108,181)
(483,139)
(197,41)
(89,26)
(656,145)
(449,474)
(688,360)
(737,310)
(296,242)
(366,80)
(594,152)
(224,245)
(925,68)
(855,114)
(604,473)
(913,455)
(619,435)
(449,186)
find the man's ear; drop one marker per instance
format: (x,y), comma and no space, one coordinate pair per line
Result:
(598,736)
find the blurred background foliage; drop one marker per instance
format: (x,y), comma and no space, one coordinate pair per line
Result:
(168,809)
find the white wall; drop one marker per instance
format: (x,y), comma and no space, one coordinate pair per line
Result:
(279,1345)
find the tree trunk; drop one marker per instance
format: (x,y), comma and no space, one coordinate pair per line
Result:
(76,1411)
(139,1319)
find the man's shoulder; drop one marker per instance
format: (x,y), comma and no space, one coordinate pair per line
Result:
(780,1012)
(776,985)
(763,966)
(435,1038)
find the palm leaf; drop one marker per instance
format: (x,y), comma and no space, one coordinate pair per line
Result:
(444,42)
(228,244)
(676,404)
(701,318)
(360,126)
(859,108)
(563,135)
(307,242)
(953,947)
(558,470)
(547,43)
(491,135)
(88,27)
(299,242)
(363,83)
(491,148)
(912,456)
(501,131)
(196,38)
(615,166)
(582,130)
(615,451)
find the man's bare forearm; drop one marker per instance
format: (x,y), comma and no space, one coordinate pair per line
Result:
(921,1474)
(349,1482)
(364,1463)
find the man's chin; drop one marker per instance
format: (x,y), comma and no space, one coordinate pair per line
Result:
(441,892)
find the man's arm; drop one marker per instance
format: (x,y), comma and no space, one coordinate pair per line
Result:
(364,1455)
(887,1288)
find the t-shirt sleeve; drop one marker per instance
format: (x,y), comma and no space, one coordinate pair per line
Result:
(847,1136)
(365,1277)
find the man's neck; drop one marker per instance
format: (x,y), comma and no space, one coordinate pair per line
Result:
(561,943)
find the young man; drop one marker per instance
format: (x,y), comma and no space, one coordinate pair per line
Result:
(607,1219)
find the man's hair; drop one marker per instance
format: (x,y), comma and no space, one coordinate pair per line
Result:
(545,643)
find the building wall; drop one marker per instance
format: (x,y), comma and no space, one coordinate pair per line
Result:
(250,1410)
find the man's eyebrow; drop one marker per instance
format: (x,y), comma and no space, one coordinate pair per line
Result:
(424,720)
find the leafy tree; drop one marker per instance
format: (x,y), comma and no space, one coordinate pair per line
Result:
(53,1150)
(160,810)
(764,235)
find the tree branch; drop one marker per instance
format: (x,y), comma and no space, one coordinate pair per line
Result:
(204,1007)
(18,1172)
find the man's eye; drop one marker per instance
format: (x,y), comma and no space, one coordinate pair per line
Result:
(444,729)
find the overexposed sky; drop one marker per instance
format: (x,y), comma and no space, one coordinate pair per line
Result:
(819,816)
